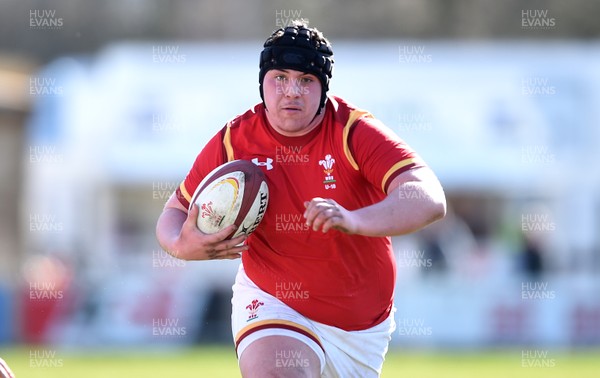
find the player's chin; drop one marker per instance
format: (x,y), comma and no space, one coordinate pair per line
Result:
(294,120)
(294,127)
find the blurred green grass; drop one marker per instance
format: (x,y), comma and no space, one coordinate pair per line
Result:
(492,364)
(220,361)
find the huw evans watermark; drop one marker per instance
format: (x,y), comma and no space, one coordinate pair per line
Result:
(45,154)
(45,19)
(45,358)
(537,19)
(536,291)
(162,259)
(168,327)
(413,327)
(537,359)
(290,291)
(45,86)
(291,155)
(414,122)
(45,223)
(413,258)
(290,358)
(537,155)
(284,17)
(43,291)
(167,54)
(537,222)
(413,54)
(290,223)
(162,190)
(537,86)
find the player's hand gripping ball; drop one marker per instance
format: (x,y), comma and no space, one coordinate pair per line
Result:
(233,193)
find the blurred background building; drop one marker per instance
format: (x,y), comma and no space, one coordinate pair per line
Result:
(104,105)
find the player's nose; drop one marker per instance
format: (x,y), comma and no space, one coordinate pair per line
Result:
(293,89)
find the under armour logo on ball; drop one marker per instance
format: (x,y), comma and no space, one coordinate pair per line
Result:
(268,164)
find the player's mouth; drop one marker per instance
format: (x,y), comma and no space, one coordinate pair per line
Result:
(291,108)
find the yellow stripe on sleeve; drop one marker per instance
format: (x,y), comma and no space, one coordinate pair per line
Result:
(227,143)
(354,115)
(395,167)
(288,323)
(184,191)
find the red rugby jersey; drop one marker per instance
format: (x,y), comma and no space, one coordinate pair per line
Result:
(346,281)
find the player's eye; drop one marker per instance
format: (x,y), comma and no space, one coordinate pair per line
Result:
(306,80)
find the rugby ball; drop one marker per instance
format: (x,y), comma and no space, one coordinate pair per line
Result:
(233,193)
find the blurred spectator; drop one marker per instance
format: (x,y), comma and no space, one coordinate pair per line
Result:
(450,246)
(530,260)
(44,296)
(433,253)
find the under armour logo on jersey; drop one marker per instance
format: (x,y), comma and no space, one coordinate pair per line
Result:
(268,164)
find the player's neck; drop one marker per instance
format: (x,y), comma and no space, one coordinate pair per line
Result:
(316,121)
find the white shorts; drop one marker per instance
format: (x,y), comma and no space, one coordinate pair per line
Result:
(256,314)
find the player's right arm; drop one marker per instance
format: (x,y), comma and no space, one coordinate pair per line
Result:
(179,236)
(176,228)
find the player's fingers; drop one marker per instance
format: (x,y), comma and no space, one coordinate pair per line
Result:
(312,216)
(326,219)
(192,215)
(232,254)
(192,219)
(313,201)
(238,240)
(322,214)
(314,209)
(224,255)
(312,204)
(193,212)
(334,221)
(228,253)
(220,236)
(233,245)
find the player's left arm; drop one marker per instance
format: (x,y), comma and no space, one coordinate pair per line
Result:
(415,198)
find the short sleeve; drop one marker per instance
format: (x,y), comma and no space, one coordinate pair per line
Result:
(212,155)
(381,155)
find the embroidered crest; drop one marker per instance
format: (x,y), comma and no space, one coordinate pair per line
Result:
(327,164)
(253,309)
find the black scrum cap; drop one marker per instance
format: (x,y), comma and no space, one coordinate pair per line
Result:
(295,50)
